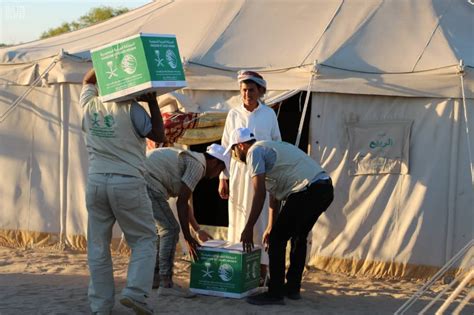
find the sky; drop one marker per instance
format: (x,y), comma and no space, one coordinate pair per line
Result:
(23,21)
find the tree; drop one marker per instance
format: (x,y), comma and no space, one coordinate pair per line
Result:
(95,15)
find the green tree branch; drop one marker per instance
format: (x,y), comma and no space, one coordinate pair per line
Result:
(95,15)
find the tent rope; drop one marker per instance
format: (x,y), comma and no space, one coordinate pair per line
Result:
(435,278)
(455,293)
(31,87)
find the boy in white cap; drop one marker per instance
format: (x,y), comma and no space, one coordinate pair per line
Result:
(172,172)
(289,175)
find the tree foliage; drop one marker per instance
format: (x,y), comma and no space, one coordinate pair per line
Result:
(95,15)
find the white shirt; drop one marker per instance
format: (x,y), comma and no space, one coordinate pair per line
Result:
(262,121)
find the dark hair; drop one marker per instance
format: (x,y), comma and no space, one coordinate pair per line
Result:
(252,141)
(211,157)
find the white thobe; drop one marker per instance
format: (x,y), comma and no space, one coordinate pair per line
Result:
(262,121)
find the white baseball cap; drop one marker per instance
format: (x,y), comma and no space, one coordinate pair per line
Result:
(219,152)
(239,135)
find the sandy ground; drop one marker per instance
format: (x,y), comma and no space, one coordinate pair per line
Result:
(45,281)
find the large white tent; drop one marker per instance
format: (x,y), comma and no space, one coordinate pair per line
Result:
(381,73)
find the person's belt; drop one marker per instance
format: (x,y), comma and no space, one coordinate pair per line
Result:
(319,181)
(322,176)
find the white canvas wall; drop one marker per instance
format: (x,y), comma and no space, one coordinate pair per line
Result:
(424,217)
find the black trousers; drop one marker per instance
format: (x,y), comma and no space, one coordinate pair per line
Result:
(294,222)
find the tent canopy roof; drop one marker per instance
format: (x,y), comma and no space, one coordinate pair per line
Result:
(280,37)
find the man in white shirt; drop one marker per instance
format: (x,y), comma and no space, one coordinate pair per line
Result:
(115,135)
(262,121)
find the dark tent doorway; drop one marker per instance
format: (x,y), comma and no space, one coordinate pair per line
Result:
(209,208)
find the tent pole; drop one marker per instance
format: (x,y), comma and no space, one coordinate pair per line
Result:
(280,104)
(63,168)
(452,179)
(306,101)
(466,121)
(309,239)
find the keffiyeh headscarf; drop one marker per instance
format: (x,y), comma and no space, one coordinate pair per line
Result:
(243,75)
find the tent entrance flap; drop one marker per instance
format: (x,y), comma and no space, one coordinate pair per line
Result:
(276,97)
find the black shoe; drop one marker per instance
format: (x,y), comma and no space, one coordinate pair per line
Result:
(265,299)
(291,295)
(156,282)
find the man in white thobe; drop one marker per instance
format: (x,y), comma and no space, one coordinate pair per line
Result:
(262,121)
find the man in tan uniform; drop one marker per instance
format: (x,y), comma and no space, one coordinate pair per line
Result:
(172,172)
(292,176)
(115,135)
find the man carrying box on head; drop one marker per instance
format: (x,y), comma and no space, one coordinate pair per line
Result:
(290,175)
(172,172)
(115,135)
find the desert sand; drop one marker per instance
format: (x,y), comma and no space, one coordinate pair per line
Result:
(48,281)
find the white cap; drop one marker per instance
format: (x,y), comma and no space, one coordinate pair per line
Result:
(219,152)
(239,135)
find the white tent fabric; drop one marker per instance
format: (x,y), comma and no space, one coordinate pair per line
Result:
(377,60)
(423,217)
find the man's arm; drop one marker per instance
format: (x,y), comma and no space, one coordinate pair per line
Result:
(202,235)
(157,132)
(273,210)
(223,188)
(258,200)
(183,215)
(89,89)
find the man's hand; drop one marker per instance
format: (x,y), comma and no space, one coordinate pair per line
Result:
(192,247)
(258,199)
(247,239)
(89,77)
(266,237)
(223,189)
(203,236)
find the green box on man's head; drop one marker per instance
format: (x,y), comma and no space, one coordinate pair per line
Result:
(136,65)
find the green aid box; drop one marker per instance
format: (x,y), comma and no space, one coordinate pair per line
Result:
(225,270)
(138,64)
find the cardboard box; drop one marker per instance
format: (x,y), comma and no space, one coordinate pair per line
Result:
(225,270)
(138,64)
